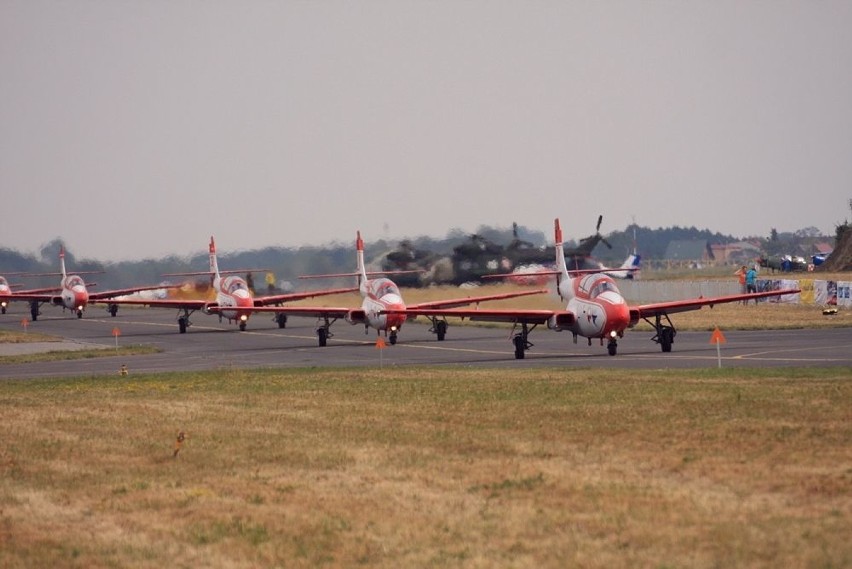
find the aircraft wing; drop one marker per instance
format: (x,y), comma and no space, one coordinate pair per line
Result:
(561,317)
(157,303)
(456,302)
(36,291)
(293,296)
(27,295)
(93,296)
(317,311)
(672,307)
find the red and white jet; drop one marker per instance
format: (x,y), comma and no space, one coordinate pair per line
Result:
(595,309)
(72,290)
(234,300)
(8,291)
(382,307)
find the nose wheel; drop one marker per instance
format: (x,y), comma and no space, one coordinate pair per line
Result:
(392,337)
(612,347)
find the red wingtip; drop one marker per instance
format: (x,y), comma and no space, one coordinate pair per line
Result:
(359,243)
(212,245)
(558,231)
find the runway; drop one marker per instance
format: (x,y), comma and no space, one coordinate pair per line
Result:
(210,344)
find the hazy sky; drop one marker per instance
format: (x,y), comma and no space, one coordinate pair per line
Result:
(138,128)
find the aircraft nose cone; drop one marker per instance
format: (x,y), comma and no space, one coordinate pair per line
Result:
(81,298)
(619,318)
(395,320)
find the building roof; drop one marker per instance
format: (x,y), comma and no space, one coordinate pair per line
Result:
(693,250)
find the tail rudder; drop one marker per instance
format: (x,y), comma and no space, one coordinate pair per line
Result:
(561,266)
(62,261)
(362,271)
(631,262)
(214,265)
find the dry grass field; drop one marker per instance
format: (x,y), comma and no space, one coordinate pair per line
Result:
(429,468)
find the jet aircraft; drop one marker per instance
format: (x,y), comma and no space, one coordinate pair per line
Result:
(595,309)
(381,296)
(8,291)
(234,300)
(72,292)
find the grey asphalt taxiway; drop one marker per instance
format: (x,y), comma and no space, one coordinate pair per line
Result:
(211,344)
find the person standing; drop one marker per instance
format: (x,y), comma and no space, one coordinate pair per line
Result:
(751,282)
(741,275)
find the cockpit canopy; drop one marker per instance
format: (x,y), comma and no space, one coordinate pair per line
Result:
(236,284)
(384,287)
(74,281)
(597,284)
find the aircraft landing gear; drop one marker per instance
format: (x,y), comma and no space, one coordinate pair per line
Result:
(3,309)
(612,347)
(665,333)
(281,319)
(392,337)
(112,309)
(34,312)
(79,313)
(522,342)
(242,326)
(183,321)
(439,328)
(324,330)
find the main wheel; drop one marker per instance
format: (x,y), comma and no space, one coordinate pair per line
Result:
(666,339)
(322,336)
(441,330)
(520,347)
(182,325)
(113,310)
(34,312)
(282,320)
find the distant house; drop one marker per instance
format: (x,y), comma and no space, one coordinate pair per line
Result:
(735,253)
(694,251)
(824,248)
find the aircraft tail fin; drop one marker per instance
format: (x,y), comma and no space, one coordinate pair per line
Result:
(361,269)
(62,262)
(561,266)
(214,265)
